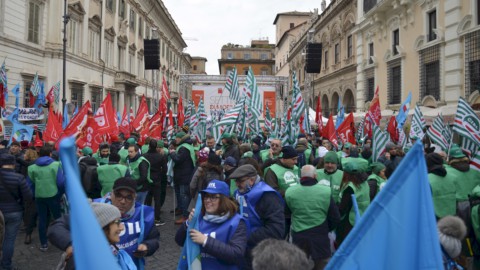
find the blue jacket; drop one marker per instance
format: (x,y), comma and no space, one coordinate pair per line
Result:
(17,184)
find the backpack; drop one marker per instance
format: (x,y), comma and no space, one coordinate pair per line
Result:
(89,179)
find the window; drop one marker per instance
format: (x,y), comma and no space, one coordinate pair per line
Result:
(194,67)
(370,53)
(368,5)
(77,94)
(337,53)
(395,41)
(371,88)
(245,71)
(121,58)
(108,53)
(74,36)
(472,63)
(110,5)
(140,27)
(132,19)
(292,25)
(246,56)
(28,98)
(430,72)
(229,55)
(326,59)
(96,99)
(394,82)
(263,56)
(432,25)
(131,62)
(141,68)
(121,9)
(478,12)
(34,20)
(349,46)
(94,45)
(264,72)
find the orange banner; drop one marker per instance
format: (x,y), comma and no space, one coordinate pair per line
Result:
(269,99)
(196,96)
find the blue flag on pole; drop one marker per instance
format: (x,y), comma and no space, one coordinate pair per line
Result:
(190,256)
(40,100)
(399,224)
(20,132)
(340,114)
(403,111)
(16,92)
(66,120)
(92,250)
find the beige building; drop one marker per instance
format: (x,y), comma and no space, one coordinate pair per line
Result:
(259,55)
(428,47)
(198,65)
(104,48)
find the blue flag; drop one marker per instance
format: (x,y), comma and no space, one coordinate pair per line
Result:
(41,100)
(399,224)
(13,117)
(66,120)
(340,114)
(16,92)
(20,132)
(92,250)
(403,111)
(75,112)
(190,256)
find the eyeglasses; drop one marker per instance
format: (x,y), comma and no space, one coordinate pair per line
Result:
(211,198)
(120,197)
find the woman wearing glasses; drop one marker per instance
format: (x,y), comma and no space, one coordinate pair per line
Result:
(222,232)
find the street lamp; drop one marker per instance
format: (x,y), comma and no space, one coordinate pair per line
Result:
(66,18)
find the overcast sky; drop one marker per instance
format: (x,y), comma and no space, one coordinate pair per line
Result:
(213,23)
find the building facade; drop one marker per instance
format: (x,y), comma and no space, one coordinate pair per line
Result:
(104,49)
(198,65)
(259,55)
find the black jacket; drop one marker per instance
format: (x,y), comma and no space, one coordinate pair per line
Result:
(18,186)
(184,167)
(272,217)
(158,165)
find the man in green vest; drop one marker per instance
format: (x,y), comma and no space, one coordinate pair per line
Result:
(330,175)
(314,214)
(102,154)
(139,168)
(107,174)
(443,187)
(124,151)
(269,156)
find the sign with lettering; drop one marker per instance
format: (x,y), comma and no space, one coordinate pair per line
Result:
(24,114)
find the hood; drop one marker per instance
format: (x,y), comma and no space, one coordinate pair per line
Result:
(438,170)
(44,161)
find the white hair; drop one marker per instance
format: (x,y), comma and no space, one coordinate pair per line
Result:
(309,171)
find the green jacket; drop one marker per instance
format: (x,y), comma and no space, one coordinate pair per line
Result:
(123,153)
(362,195)
(331,180)
(286,177)
(108,174)
(100,160)
(45,179)
(475,213)
(464,181)
(444,195)
(380,181)
(135,172)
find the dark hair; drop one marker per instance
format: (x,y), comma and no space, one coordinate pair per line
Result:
(356,179)
(225,205)
(104,146)
(135,147)
(121,135)
(45,151)
(209,137)
(152,146)
(114,157)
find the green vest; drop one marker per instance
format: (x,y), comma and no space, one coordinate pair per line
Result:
(464,181)
(108,174)
(264,155)
(286,177)
(307,153)
(309,205)
(123,153)
(191,150)
(475,215)
(45,179)
(443,194)
(362,195)
(135,172)
(100,160)
(380,181)
(144,148)
(332,180)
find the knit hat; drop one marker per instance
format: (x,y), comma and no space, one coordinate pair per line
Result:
(86,151)
(230,161)
(330,157)
(355,166)
(214,159)
(347,145)
(185,129)
(125,183)
(247,154)
(7,159)
(322,151)
(203,154)
(180,134)
(301,135)
(451,231)
(160,144)
(389,146)
(456,152)
(105,213)
(226,135)
(131,141)
(377,167)
(217,187)
(289,152)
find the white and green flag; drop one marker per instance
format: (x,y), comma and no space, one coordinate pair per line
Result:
(298,106)
(379,141)
(467,123)
(232,85)
(418,124)
(439,133)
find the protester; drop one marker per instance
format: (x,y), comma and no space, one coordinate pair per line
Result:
(222,233)
(305,154)
(314,215)
(16,151)
(139,168)
(208,171)
(107,174)
(442,185)
(330,175)
(30,217)
(14,194)
(102,154)
(89,174)
(272,254)
(391,158)
(451,231)
(229,148)
(377,179)
(256,148)
(269,156)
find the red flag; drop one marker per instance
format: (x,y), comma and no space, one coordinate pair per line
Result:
(155,126)
(142,115)
(329,132)
(302,118)
(105,118)
(392,129)
(318,115)
(2,96)
(125,124)
(53,128)
(165,92)
(374,114)
(131,116)
(32,99)
(180,113)
(346,130)
(78,124)
(51,96)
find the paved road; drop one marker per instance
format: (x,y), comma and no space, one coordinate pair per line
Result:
(29,257)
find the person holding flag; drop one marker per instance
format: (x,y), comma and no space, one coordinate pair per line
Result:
(222,232)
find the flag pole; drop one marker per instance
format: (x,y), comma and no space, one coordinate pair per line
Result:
(449,147)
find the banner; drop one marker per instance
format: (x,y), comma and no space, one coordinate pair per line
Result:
(24,114)
(269,100)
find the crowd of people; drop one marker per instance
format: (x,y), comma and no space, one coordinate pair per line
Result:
(260,199)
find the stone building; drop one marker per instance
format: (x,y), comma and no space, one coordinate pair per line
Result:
(259,55)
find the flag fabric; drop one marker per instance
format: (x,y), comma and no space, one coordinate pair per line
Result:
(329,132)
(105,118)
(53,96)
(232,85)
(155,126)
(40,100)
(475,161)
(125,123)
(438,133)
(318,115)
(21,132)
(16,93)
(35,87)
(131,116)
(3,85)
(396,209)
(180,113)
(53,129)
(467,123)
(379,141)
(202,121)
(374,114)
(403,111)
(402,138)
(187,114)
(254,100)
(418,124)
(473,152)
(193,117)
(360,130)
(190,257)
(66,119)
(142,115)
(340,114)
(298,105)
(88,239)
(346,130)
(165,92)
(268,120)
(77,125)
(231,116)
(170,128)
(392,129)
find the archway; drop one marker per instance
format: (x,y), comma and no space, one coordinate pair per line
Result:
(325,107)
(334,103)
(349,101)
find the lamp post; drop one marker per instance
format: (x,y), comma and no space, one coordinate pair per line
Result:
(66,18)
(309,77)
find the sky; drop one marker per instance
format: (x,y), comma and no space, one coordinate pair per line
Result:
(206,25)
